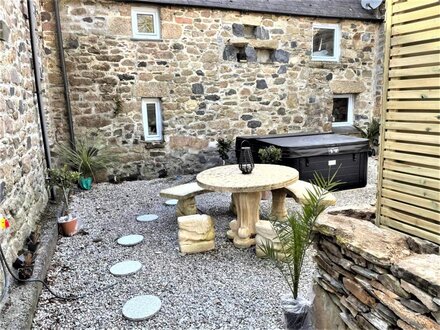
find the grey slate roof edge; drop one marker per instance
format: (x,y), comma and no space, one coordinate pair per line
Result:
(281,7)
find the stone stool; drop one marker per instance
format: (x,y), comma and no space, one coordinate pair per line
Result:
(265,234)
(196,233)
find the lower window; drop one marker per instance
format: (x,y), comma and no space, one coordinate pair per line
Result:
(343,110)
(152,119)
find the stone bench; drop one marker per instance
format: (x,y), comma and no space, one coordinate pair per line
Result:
(185,194)
(300,192)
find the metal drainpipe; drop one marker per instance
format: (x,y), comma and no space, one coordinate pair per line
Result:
(37,75)
(64,73)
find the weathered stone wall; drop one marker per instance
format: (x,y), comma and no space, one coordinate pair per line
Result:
(23,193)
(374,278)
(203,95)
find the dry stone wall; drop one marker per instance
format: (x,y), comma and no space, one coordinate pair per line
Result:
(374,278)
(205,92)
(23,193)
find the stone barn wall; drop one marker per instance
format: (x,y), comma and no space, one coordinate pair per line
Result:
(204,91)
(23,193)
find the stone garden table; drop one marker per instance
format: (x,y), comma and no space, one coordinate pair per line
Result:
(246,194)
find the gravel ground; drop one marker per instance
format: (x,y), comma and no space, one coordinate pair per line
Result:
(224,289)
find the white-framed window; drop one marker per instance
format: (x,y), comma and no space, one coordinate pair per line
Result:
(326,42)
(342,113)
(152,119)
(145,23)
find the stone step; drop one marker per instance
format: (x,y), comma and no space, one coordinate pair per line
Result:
(141,308)
(130,240)
(147,217)
(126,267)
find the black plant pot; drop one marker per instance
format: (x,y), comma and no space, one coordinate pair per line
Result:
(296,314)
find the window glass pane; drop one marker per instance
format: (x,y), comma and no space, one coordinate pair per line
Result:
(340,110)
(145,23)
(323,42)
(151,117)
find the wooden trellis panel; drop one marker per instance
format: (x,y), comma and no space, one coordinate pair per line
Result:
(409,172)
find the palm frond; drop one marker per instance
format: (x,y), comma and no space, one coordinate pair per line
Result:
(295,232)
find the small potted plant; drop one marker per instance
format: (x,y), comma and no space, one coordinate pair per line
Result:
(269,155)
(65,179)
(223,148)
(87,157)
(295,236)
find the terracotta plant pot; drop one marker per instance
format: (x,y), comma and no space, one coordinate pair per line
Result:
(69,225)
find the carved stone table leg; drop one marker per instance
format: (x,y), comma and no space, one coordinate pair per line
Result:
(248,213)
(278,211)
(232,205)
(186,206)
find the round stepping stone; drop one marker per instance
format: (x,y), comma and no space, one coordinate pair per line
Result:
(147,217)
(126,267)
(141,307)
(130,240)
(171,202)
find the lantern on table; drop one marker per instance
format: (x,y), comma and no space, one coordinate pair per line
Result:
(245,161)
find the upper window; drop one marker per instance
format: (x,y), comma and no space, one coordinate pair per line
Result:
(343,110)
(145,23)
(326,39)
(152,119)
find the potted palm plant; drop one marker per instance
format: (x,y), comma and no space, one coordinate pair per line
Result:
(269,155)
(87,157)
(223,148)
(295,236)
(65,179)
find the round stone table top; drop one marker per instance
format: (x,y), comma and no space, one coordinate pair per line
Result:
(230,179)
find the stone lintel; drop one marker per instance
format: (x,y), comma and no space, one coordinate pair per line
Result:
(256,43)
(151,89)
(347,87)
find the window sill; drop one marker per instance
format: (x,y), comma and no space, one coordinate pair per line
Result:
(333,60)
(345,129)
(153,144)
(145,39)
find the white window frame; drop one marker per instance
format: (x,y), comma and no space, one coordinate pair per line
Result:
(336,42)
(156,23)
(158,135)
(350,110)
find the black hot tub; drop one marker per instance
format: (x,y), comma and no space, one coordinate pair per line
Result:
(324,153)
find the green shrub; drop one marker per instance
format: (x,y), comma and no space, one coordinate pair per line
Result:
(88,157)
(224,145)
(269,155)
(63,178)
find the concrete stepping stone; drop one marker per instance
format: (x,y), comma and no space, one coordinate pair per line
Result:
(130,240)
(141,307)
(171,202)
(126,267)
(147,217)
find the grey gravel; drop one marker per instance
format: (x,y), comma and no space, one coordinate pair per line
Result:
(226,288)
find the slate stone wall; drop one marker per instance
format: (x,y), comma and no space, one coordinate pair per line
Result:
(23,194)
(374,278)
(205,91)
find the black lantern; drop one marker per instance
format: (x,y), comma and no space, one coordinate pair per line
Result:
(245,162)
